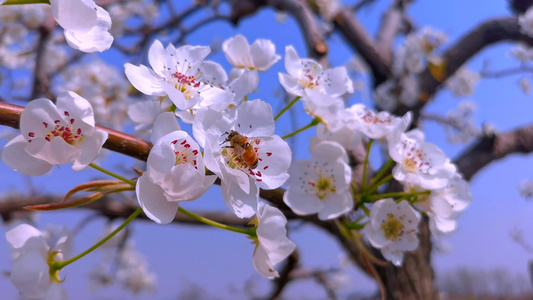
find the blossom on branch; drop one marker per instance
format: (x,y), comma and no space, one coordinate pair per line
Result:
(175,171)
(240,147)
(392,229)
(272,244)
(321,184)
(86,24)
(55,135)
(32,253)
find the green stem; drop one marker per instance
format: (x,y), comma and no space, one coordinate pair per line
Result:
(112,174)
(16,2)
(315,122)
(58,265)
(381,172)
(396,195)
(375,186)
(365,164)
(287,107)
(247,231)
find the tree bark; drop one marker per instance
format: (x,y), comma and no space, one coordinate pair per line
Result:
(414,280)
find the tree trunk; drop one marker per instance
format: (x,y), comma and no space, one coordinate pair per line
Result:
(415,279)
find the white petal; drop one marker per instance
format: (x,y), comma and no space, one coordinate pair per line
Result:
(157,57)
(239,203)
(144,79)
(27,237)
(15,156)
(79,109)
(291,84)
(153,202)
(74,14)
(262,263)
(55,152)
(272,234)
(163,125)
(335,205)
(177,97)
(276,157)
(292,62)
(96,39)
(302,203)
(263,54)
(255,119)
(35,114)
(237,51)
(56,292)
(90,149)
(30,274)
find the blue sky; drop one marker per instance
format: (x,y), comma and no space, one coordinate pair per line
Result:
(217,260)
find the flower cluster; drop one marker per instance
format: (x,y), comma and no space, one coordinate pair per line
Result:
(233,140)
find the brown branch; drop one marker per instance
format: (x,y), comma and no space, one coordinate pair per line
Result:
(111,209)
(358,38)
(391,25)
(316,47)
(487,33)
(490,148)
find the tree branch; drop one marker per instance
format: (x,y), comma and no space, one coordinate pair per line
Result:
(358,38)
(490,148)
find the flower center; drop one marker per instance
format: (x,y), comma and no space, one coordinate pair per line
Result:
(415,159)
(68,132)
(310,80)
(243,155)
(392,227)
(184,153)
(322,187)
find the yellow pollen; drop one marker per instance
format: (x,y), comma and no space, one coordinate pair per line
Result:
(392,227)
(409,165)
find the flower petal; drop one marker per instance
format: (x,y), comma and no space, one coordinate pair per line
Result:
(15,156)
(144,79)
(153,202)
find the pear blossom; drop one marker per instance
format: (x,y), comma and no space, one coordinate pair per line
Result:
(329,109)
(175,171)
(463,82)
(144,113)
(32,249)
(376,125)
(525,85)
(525,188)
(241,82)
(392,229)
(321,184)
(272,244)
(261,55)
(86,24)
(445,205)
(306,74)
(252,123)
(419,162)
(345,136)
(55,135)
(525,22)
(181,74)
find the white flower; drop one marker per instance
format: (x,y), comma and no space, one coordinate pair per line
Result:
(392,229)
(525,22)
(345,136)
(321,184)
(86,24)
(261,55)
(526,188)
(179,73)
(377,125)
(445,205)
(522,52)
(307,74)
(329,109)
(273,246)
(410,89)
(463,82)
(525,85)
(31,272)
(419,162)
(144,113)
(54,135)
(241,148)
(175,171)
(384,97)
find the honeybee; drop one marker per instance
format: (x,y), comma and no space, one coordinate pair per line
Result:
(242,147)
